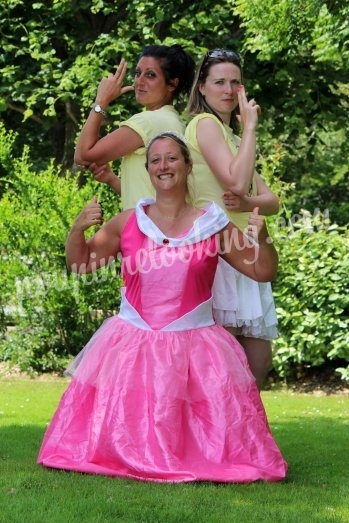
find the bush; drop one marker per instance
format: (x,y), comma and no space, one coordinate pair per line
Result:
(311,294)
(52,313)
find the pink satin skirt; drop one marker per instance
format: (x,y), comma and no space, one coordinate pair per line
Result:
(163,406)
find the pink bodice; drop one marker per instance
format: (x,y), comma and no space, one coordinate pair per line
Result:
(167,278)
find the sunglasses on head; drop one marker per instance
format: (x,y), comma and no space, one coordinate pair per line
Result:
(223,53)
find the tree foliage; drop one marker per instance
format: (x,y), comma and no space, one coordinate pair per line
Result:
(301,63)
(295,60)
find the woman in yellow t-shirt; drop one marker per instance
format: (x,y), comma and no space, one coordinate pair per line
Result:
(224,166)
(163,75)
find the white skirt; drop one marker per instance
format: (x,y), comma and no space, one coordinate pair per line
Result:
(242,303)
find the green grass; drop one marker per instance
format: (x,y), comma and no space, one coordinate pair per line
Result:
(312,432)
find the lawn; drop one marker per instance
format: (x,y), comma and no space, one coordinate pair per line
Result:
(311,430)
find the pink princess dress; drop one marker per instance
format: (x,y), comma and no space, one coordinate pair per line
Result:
(160,392)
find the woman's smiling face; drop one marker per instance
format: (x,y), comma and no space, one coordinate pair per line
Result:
(166,164)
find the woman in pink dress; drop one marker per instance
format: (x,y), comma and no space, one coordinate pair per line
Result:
(161,392)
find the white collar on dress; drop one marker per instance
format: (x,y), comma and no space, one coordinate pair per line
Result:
(209,223)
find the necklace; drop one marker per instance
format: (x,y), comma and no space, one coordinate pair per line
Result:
(181,212)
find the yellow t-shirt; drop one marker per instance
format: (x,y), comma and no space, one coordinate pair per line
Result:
(203,185)
(135,181)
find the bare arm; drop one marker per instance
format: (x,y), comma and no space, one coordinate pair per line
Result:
(265,200)
(90,148)
(84,256)
(233,171)
(258,261)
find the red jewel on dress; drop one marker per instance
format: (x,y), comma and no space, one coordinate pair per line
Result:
(165,241)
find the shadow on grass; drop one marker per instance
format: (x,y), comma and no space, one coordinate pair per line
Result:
(20,443)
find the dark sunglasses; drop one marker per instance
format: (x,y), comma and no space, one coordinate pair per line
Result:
(223,53)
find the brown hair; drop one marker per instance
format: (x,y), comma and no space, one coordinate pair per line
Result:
(197,103)
(180,140)
(176,63)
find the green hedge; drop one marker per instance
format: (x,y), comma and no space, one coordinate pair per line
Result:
(48,313)
(311,293)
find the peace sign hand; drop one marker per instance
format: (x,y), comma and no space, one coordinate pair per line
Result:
(110,87)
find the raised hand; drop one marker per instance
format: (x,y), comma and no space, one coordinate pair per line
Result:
(110,87)
(256,228)
(249,110)
(90,215)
